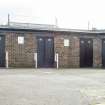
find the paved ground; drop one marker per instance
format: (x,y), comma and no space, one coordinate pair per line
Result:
(52,87)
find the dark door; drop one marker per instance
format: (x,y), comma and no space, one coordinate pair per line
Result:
(45,51)
(86,52)
(2,51)
(103,53)
(41,51)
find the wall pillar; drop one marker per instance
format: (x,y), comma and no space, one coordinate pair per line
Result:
(75,52)
(97,52)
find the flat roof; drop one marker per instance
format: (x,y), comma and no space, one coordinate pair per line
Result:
(47,28)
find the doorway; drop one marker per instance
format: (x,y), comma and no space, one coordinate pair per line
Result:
(45,51)
(86,52)
(2,51)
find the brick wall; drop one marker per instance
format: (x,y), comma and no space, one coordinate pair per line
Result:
(68,56)
(97,52)
(64,52)
(75,52)
(21,55)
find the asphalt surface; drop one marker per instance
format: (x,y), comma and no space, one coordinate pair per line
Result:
(52,87)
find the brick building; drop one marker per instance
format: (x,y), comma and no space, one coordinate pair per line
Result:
(47,46)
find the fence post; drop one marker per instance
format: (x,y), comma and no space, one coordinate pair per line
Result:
(35,59)
(7,59)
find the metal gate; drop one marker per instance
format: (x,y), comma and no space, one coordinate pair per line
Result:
(2,51)
(45,50)
(86,52)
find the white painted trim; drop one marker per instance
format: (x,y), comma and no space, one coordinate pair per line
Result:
(57,60)
(6,59)
(35,59)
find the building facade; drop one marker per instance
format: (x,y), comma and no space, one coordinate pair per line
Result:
(75,48)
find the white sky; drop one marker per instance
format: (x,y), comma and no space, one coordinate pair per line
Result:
(70,13)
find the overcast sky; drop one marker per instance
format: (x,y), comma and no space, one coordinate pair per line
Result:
(69,13)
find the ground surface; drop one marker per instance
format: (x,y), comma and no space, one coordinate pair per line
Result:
(52,87)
